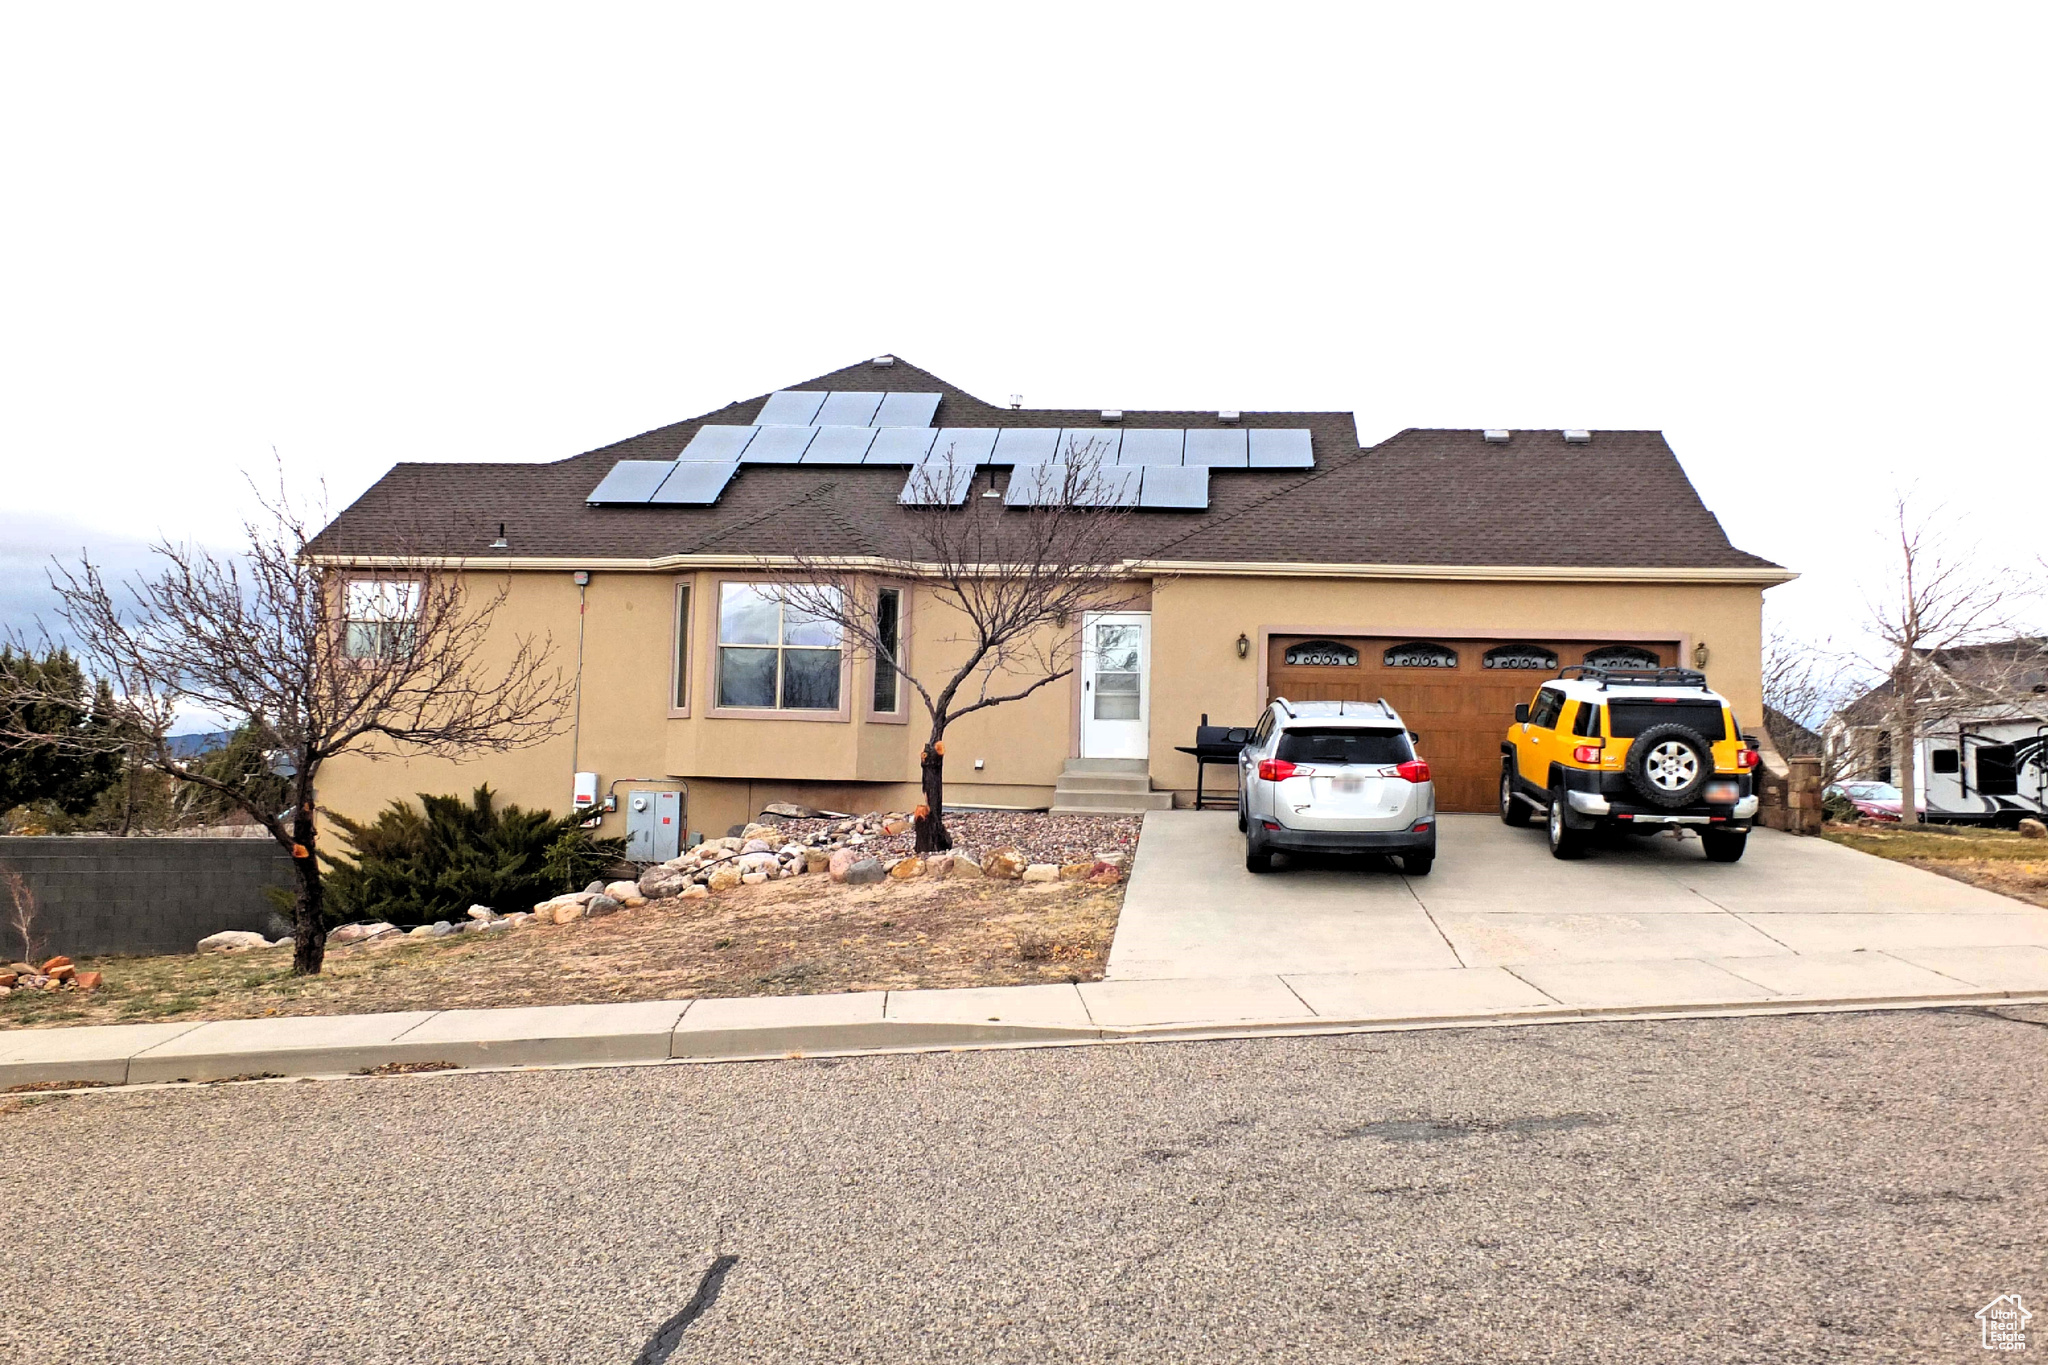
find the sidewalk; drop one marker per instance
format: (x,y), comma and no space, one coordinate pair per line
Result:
(1093,1012)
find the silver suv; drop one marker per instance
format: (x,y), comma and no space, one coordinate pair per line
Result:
(1334,777)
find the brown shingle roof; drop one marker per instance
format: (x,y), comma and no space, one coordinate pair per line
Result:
(1422,497)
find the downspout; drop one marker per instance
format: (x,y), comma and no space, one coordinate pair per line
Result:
(576,722)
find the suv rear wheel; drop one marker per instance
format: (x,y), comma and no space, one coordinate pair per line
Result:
(1565,842)
(1724,846)
(1257,857)
(1513,809)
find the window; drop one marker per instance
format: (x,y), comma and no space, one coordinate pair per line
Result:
(1946,761)
(380,618)
(1549,702)
(888,632)
(1587,723)
(1420,654)
(1622,656)
(679,698)
(773,655)
(1322,654)
(1344,745)
(1881,757)
(1519,656)
(1630,718)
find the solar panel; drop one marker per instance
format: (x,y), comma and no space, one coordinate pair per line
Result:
(1281,448)
(779,445)
(936,485)
(1048,485)
(906,410)
(789,408)
(840,445)
(900,445)
(718,443)
(1170,486)
(964,445)
(847,409)
(1082,444)
(1152,445)
(1217,449)
(1026,445)
(695,484)
(630,481)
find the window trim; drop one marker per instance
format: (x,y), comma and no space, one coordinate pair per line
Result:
(682,653)
(718,712)
(901,715)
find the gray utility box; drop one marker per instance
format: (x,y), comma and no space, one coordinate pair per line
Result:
(654,826)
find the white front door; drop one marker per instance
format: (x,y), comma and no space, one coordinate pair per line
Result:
(1116,659)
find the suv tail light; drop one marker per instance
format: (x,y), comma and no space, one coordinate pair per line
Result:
(1275,770)
(1586,753)
(1414,770)
(1748,758)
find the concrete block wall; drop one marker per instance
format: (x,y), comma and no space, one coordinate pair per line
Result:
(98,895)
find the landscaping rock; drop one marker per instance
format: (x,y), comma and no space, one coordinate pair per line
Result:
(756,846)
(939,865)
(866,872)
(618,891)
(1105,873)
(89,981)
(724,877)
(1074,872)
(693,893)
(226,941)
(756,831)
(1114,857)
(568,912)
(817,860)
(662,882)
(840,863)
(594,889)
(1042,872)
(1005,864)
(964,865)
(907,868)
(63,971)
(789,810)
(481,912)
(896,827)
(7,979)
(356,933)
(2033,829)
(597,907)
(753,878)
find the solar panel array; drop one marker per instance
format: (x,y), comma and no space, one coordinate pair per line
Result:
(1181,459)
(806,408)
(1157,486)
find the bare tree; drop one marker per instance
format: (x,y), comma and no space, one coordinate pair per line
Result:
(1937,600)
(22,914)
(1008,578)
(319,659)
(1805,683)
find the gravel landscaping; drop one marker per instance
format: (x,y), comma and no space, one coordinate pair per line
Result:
(797,935)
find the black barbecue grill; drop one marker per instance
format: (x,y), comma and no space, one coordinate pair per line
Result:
(1215,744)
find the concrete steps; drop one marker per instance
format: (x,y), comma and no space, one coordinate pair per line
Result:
(1107,786)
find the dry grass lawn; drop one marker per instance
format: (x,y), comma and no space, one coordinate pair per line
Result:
(801,936)
(1997,860)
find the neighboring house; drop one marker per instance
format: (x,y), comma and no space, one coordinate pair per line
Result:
(1789,737)
(1982,754)
(1447,571)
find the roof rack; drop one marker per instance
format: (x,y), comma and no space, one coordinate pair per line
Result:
(1651,677)
(1288,706)
(1386,708)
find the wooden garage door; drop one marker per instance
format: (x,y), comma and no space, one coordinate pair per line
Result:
(1458,694)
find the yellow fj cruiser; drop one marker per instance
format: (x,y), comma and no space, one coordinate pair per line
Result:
(1635,749)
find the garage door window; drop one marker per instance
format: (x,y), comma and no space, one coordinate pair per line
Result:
(1533,657)
(1420,654)
(1622,656)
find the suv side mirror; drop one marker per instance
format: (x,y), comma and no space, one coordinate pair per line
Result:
(1414,738)
(1521,712)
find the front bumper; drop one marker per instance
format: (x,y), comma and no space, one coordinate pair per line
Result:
(1281,839)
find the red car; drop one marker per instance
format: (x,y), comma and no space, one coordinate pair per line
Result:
(1874,800)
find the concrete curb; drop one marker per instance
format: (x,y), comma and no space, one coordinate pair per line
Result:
(176,1055)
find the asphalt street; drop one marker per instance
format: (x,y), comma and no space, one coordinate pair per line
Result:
(1818,1187)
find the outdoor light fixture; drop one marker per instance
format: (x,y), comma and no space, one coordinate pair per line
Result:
(1699,655)
(1244,645)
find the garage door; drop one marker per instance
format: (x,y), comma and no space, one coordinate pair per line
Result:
(1458,694)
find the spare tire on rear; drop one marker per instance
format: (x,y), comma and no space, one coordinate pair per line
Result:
(1668,764)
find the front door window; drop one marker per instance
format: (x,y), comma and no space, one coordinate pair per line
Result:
(1116,671)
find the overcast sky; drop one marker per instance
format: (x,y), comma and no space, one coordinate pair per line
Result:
(1803,241)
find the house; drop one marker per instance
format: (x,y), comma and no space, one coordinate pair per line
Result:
(1982,752)
(1445,570)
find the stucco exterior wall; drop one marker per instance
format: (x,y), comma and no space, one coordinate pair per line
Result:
(629,727)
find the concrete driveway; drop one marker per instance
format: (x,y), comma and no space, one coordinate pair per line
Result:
(1498,899)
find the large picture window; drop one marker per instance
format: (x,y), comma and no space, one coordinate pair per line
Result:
(889,634)
(381,617)
(679,696)
(773,655)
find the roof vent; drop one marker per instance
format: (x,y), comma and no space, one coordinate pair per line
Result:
(885,360)
(1016,401)
(1576,436)
(1227,415)
(1496,434)
(1112,414)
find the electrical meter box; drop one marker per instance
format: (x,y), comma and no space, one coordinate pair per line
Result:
(654,826)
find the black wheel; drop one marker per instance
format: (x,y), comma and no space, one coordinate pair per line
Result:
(1724,846)
(1417,864)
(1565,842)
(1257,858)
(1668,764)
(1242,824)
(1513,809)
